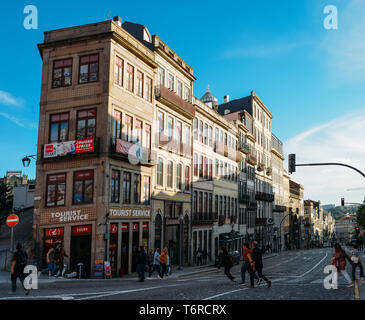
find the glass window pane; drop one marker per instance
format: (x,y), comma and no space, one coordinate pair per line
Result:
(84,73)
(88,196)
(54,132)
(77,192)
(80,129)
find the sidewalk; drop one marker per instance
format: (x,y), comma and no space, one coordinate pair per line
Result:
(186,271)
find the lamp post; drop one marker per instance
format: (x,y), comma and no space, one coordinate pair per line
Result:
(181,221)
(27,159)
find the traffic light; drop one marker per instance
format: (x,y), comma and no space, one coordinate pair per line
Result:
(357,230)
(291,162)
(342,202)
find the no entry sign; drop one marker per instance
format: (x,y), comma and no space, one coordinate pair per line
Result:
(12,220)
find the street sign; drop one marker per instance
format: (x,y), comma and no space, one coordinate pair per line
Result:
(12,220)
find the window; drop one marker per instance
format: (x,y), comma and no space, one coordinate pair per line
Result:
(171,82)
(147,136)
(146,189)
(187,94)
(179,132)
(216,135)
(201,167)
(170,126)
(178,176)
(86,124)
(118,71)
(129,77)
(127,128)
(161,77)
(62,73)
(170,169)
(201,131)
(210,203)
(115,186)
(160,172)
(210,175)
(83,187)
(137,188)
(205,167)
(59,127)
(187,178)
(210,136)
(205,133)
(148,89)
(126,187)
(216,167)
(225,139)
(89,68)
(195,128)
(196,168)
(56,190)
(187,135)
(179,89)
(139,83)
(117,115)
(160,122)
(138,132)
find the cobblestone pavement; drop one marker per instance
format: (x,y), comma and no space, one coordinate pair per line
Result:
(296,275)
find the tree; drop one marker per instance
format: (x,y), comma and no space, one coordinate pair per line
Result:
(6,201)
(361,216)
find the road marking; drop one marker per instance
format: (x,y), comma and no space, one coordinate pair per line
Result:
(357,292)
(305,273)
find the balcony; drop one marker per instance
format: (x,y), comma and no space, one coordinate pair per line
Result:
(71,149)
(219,148)
(135,154)
(244,197)
(269,171)
(244,147)
(260,166)
(260,221)
(278,208)
(172,100)
(263,196)
(173,145)
(202,222)
(252,206)
(251,159)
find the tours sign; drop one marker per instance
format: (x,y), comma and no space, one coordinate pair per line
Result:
(61,149)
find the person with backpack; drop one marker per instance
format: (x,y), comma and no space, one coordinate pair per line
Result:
(339,261)
(50,257)
(226,261)
(356,259)
(18,264)
(163,262)
(59,257)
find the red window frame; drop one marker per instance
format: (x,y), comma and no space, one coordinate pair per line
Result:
(62,64)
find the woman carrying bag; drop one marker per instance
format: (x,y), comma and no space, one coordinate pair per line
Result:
(339,261)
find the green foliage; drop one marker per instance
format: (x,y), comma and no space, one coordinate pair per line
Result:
(361,216)
(6,201)
(339,212)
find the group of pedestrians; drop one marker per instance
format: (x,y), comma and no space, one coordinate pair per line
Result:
(55,260)
(339,261)
(201,256)
(156,261)
(252,263)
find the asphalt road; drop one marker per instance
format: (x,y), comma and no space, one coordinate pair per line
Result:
(294,275)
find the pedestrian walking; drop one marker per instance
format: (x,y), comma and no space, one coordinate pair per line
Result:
(257,264)
(163,262)
(59,257)
(246,263)
(156,263)
(226,261)
(339,261)
(356,259)
(150,260)
(141,263)
(198,257)
(50,257)
(18,264)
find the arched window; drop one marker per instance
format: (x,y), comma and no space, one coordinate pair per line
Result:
(187,178)
(160,172)
(178,176)
(170,169)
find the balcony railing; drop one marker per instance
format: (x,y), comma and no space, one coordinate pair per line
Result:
(244,147)
(260,166)
(269,171)
(263,196)
(243,197)
(173,145)
(251,159)
(260,221)
(134,153)
(278,208)
(165,95)
(202,222)
(219,148)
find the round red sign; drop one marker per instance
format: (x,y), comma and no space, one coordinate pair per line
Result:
(12,220)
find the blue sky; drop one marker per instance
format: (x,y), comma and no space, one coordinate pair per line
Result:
(308,76)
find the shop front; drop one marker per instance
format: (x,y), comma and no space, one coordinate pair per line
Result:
(129,228)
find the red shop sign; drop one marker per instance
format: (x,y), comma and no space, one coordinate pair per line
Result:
(81,230)
(135,226)
(54,232)
(113,228)
(145,226)
(125,226)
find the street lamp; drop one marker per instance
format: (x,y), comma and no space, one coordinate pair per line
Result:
(26,160)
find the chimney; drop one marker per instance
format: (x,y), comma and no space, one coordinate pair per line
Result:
(226,98)
(118,20)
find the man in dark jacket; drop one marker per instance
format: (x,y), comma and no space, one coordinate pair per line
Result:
(141,263)
(257,262)
(18,264)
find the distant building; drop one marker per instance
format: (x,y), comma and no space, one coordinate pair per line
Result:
(345,228)
(23,196)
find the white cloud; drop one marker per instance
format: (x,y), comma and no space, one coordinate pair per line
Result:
(345,47)
(339,140)
(7,99)
(17,121)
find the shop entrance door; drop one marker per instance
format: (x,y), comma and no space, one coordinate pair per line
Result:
(81,248)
